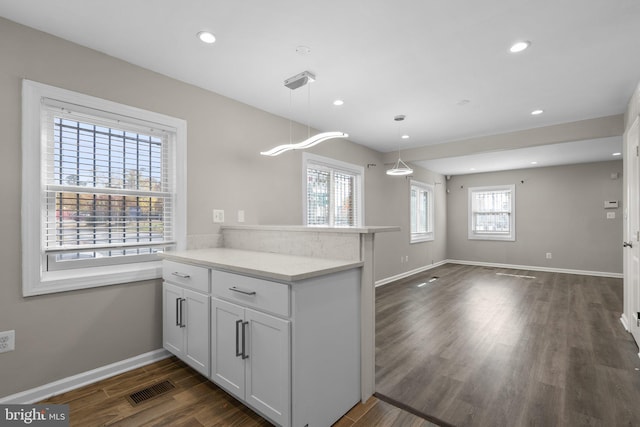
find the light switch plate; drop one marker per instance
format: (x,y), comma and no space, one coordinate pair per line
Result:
(611,215)
(218,216)
(611,204)
(7,341)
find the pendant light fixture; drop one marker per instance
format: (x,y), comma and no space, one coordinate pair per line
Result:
(400,168)
(293,83)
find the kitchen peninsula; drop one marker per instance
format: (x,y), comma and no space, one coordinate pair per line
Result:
(282,317)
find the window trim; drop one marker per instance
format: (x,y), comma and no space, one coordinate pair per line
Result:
(428,236)
(336,165)
(511,237)
(37,281)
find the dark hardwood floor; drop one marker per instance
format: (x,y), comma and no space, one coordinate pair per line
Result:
(482,347)
(194,402)
(476,347)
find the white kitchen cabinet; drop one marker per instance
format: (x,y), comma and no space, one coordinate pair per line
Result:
(186,325)
(250,358)
(289,349)
(172,333)
(301,340)
(227,366)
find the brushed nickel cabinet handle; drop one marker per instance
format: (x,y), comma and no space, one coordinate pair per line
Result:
(242,291)
(244,341)
(182,324)
(238,352)
(181,275)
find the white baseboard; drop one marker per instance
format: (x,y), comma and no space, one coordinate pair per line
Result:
(85,378)
(538,268)
(625,323)
(388,280)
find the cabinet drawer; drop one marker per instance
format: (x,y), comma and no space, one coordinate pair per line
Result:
(186,275)
(261,294)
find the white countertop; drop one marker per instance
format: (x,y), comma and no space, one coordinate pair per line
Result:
(353,230)
(267,265)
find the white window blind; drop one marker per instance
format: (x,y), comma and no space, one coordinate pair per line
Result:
(421,211)
(345,209)
(333,193)
(103,190)
(318,192)
(107,193)
(491,213)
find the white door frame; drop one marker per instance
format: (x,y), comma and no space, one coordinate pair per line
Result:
(631,305)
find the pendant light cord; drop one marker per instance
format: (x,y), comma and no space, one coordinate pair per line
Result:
(294,83)
(290,112)
(399,136)
(308,111)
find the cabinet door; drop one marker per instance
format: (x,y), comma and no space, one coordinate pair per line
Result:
(172,334)
(268,366)
(227,366)
(196,332)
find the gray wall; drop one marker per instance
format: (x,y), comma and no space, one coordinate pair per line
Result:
(395,206)
(64,334)
(558,210)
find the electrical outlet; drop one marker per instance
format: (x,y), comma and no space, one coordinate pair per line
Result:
(549,255)
(240,216)
(218,216)
(7,341)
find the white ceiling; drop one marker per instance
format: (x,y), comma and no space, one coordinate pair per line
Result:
(585,151)
(415,57)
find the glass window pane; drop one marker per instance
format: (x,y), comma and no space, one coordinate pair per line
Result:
(92,157)
(344,199)
(491,211)
(318,185)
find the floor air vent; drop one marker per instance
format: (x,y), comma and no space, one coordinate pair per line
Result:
(150,392)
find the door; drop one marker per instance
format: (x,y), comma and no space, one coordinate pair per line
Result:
(268,365)
(227,365)
(632,232)
(196,332)
(172,334)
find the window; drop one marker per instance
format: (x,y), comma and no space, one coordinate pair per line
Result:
(103,190)
(421,212)
(332,192)
(492,213)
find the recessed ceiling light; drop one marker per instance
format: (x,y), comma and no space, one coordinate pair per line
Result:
(472,169)
(405,136)
(534,163)
(206,37)
(537,112)
(519,46)
(617,154)
(303,50)
(338,102)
